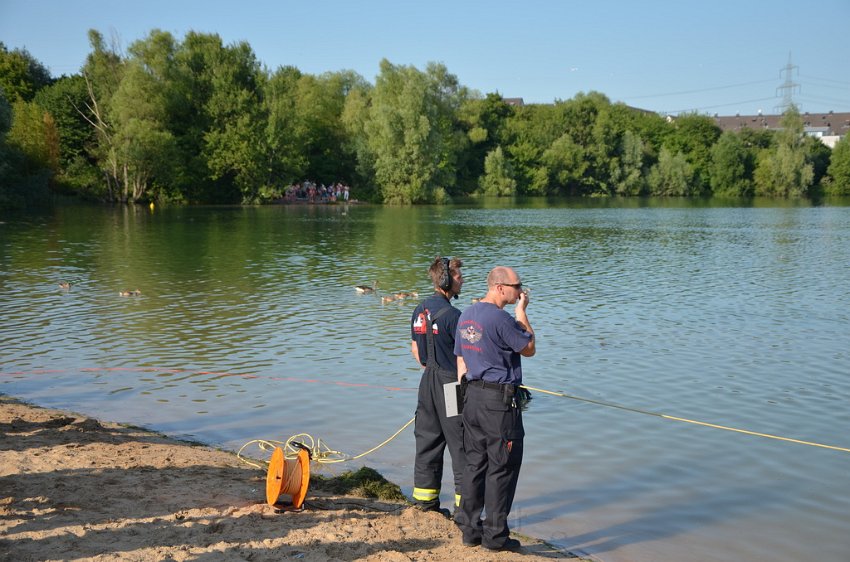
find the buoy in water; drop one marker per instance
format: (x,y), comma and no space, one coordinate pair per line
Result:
(287,480)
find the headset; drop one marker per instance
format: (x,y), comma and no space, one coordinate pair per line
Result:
(445,278)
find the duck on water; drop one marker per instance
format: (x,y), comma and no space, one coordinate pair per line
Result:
(364,289)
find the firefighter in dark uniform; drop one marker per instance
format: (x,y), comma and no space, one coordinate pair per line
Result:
(433,327)
(489,345)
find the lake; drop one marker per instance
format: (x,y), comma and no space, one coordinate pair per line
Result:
(248,327)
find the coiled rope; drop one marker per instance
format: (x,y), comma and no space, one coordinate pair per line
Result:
(319,450)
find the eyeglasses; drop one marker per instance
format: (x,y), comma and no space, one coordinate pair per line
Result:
(516,286)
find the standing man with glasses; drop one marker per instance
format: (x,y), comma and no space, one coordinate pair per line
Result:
(433,328)
(489,346)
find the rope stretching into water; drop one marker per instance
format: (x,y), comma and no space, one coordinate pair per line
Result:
(321,453)
(686,420)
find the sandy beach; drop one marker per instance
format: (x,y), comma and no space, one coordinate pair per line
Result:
(76,488)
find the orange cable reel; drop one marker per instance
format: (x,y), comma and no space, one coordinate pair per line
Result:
(287,479)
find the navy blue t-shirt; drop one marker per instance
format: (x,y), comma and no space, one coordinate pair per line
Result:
(489,340)
(444,330)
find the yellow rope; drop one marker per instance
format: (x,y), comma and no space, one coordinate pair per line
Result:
(292,477)
(686,420)
(319,452)
(373,449)
(323,454)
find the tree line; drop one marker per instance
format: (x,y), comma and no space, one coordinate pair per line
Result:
(198,121)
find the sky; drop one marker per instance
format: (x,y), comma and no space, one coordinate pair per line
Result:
(710,56)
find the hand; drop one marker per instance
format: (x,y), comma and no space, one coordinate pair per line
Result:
(522,301)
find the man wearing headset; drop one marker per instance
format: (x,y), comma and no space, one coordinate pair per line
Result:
(433,327)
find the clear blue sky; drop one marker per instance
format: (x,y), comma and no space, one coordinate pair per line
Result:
(716,56)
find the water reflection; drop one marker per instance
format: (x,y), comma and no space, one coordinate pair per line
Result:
(248,326)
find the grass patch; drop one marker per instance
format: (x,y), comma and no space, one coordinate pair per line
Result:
(365,482)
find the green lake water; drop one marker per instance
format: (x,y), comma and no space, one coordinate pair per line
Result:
(248,326)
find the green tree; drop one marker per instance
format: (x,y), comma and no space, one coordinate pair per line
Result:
(627,166)
(104,68)
(483,121)
(818,155)
(354,117)
(307,137)
(567,163)
(783,170)
(756,140)
(651,127)
(577,146)
(21,75)
(8,156)
(195,61)
(538,136)
(399,135)
(730,171)
(320,102)
(5,114)
(26,149)
(839,169)
(672,175)
(235,147)
(498,176)
(285,130)
(34,134)
(102,73)
(61,99)
(587,119)
(409,132)
(28,134)
(448,96)
(525,144)
(693,136)
(140,111)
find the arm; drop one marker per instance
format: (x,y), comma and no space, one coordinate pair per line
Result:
(461,368)
(414,349)
(522,319)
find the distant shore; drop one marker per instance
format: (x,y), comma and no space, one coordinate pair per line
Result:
(73,487)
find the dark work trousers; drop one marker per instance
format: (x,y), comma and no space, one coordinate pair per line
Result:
(493,436)
(433,432)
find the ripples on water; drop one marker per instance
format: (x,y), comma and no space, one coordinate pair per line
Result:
(248,326)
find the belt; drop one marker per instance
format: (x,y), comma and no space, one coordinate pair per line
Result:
(491,385)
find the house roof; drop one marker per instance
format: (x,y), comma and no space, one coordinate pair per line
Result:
(829,123)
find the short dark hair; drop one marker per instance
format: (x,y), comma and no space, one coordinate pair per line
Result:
(436,269)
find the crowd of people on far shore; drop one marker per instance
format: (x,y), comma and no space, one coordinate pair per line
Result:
(311,192)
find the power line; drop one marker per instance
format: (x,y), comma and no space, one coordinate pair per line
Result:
(831,87)
(700,91)
(820,99)
(789,91)
(825,80)
(718,105)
